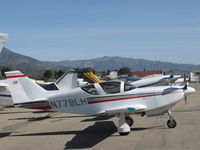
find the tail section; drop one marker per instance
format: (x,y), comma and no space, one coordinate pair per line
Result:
(3,37)
(24,89)
(67,81)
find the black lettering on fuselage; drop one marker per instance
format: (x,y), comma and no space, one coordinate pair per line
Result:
(53,104)
(76,103)
(56,104)
(65,103)
(71,102)
(83,101)
(59,103)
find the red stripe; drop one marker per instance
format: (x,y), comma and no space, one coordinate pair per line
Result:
(41,107)
(116,99)
(17,76)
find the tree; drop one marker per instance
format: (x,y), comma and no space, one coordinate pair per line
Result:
(124,71)
(107,72)
(56,74)
(60,73)
(4,69)
(47,74)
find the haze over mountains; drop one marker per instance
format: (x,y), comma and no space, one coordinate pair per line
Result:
(117,62)
(32,66)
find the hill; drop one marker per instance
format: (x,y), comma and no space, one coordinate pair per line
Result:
(27,65)
(34,67)
(117,62)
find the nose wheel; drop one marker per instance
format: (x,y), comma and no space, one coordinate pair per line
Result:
(171,123)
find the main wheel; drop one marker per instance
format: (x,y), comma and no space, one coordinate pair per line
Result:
(171,123)
(129,121)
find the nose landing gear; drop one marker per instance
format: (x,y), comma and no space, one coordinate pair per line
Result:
(171,123)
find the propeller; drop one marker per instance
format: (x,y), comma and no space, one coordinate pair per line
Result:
(185,83)
(171,74)
(185,88)
(173,78)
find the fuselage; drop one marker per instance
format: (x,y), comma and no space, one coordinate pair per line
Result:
(92,103)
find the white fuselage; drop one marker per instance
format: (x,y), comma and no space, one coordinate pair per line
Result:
(153,98)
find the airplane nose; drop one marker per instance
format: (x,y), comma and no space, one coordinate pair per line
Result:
(189,91)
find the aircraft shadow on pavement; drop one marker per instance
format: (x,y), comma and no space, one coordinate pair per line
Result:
(86,138)
(92,135)
(99,118)
(16,112)
(4,134)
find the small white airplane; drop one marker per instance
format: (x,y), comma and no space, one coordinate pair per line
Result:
(111,98)
(3,37)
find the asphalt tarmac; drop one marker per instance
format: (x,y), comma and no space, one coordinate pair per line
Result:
(23,129)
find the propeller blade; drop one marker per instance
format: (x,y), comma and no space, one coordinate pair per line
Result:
(171,75)
(185,83)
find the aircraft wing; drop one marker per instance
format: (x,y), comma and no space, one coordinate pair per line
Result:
(127,109)
(171,80)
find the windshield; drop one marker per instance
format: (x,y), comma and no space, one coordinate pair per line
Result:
(128,87)
(111,87)
(90,89)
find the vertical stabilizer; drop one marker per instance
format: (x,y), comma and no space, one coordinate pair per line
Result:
(24,89)
(67,81)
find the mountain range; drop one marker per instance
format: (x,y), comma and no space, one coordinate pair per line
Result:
(26,64)
(36,67)
(116,62)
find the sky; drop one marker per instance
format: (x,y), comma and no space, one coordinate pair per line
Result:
(55,30)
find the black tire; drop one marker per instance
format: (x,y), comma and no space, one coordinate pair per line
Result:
(171,123)
(129,121)
(124,133)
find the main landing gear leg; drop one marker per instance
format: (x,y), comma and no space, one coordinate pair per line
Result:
(171,123)
(123,128)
